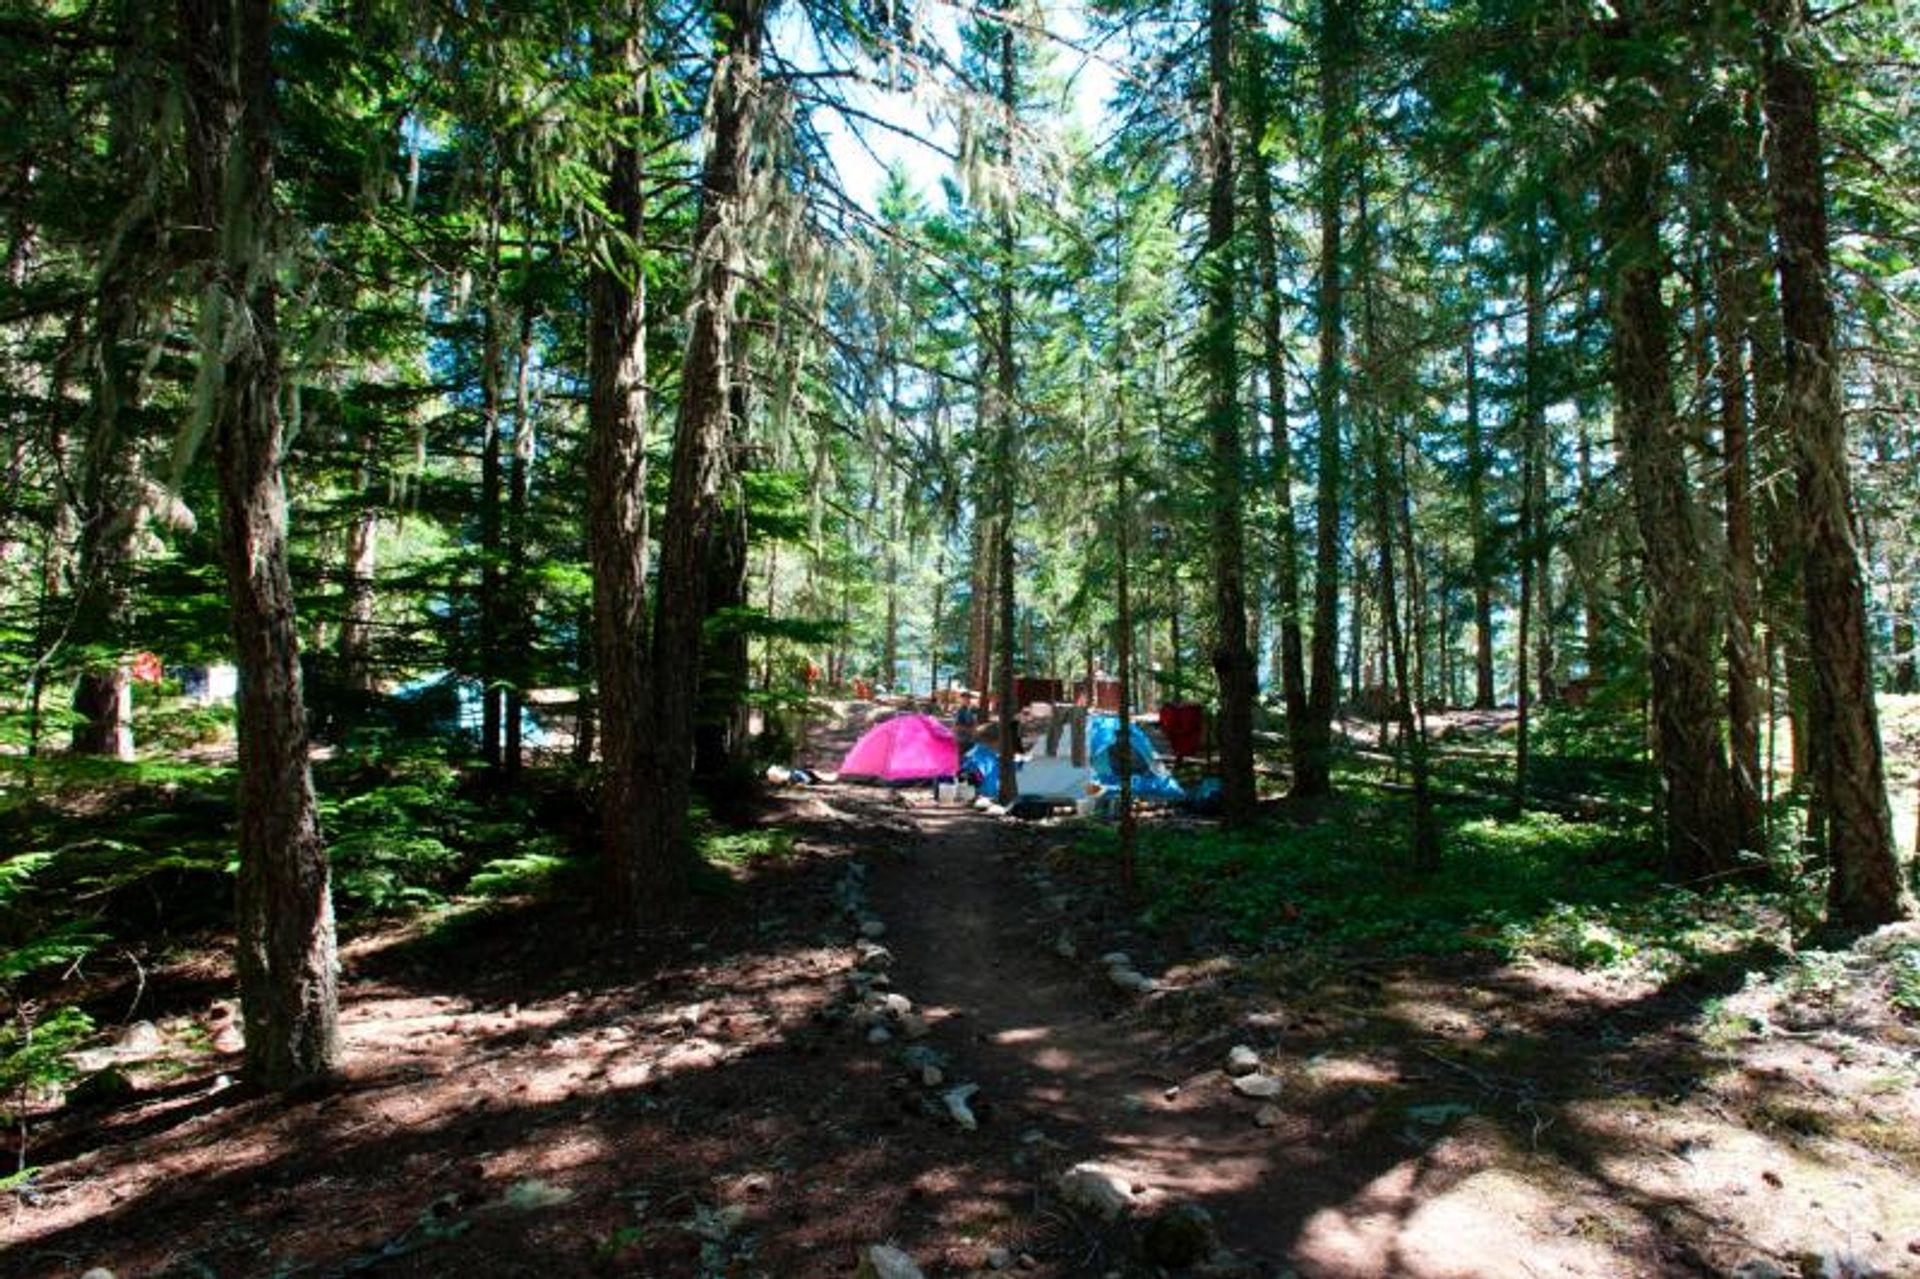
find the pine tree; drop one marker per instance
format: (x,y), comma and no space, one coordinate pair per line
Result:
(288,995)
(1866,886)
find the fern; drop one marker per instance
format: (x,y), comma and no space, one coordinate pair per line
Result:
(34,1055)
(510,876)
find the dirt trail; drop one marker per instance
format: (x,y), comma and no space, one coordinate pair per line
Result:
(1073,1069)
(1436,1124)
(1059,1070)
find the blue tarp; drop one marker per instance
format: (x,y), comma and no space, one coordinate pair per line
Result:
(1102,730)
(456,704)
(982,763)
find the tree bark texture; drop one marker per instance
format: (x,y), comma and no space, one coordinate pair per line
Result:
(492,374)
(1484,696)
(719,725)
(109,480)
(702,445)
(521,627)
(1733,306)
(617,525)
(980,597)
(1005,387)
(1539,495)
(1866,887)
(1233,665)
(1313,752)
(285,917)
(1701,834)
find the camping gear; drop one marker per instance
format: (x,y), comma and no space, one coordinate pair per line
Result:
(906,748)
(1148,782)
(1102,730)
(1185,725)
(1050,779)
(982,767)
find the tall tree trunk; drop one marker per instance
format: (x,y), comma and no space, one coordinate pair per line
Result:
(1232,659)
(492,360)
(53,610)
(1593,622)
(1866,887)
(719,719)
(1540,535)
(981,561)
(521,627)
(702,444)
(1359,660)
(1484,696)
(1523,630)
(285,916)
(109,487)
(617,524)
(1122,750)
(1004,389)
(890,635)
(1313,752)
(1906,644)
(1391,503)
(1536,614)
(355,649)
(1733,310)
(1783,590)
(1701,832)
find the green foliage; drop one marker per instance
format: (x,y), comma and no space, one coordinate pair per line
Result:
(521,874)
(34,1055)
(65,946)
(1582,893)
(386,841)
(180,726)
(1903,979)
(740,849)
(406,829)
(34,1043)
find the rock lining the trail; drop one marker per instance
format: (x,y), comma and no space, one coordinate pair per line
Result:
(1259,1087)
(1097,1188)
(958,1102)
(883,1261)
(1122,973)
(883,1014)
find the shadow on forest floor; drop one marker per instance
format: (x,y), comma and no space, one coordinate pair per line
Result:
(528,1094)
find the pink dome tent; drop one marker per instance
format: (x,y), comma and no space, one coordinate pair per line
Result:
(906,748)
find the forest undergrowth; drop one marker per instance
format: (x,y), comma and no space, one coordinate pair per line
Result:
(116,914)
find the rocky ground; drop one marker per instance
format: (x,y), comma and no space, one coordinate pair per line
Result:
(929,1042)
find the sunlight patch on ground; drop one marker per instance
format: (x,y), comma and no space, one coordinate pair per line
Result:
(1169,1168)
(1771,1193)
(1020,1035)
(1556,982)
(1493,1221)
(1329,1071)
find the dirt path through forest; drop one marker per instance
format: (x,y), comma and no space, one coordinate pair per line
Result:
(978,929)
(1466,1120)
